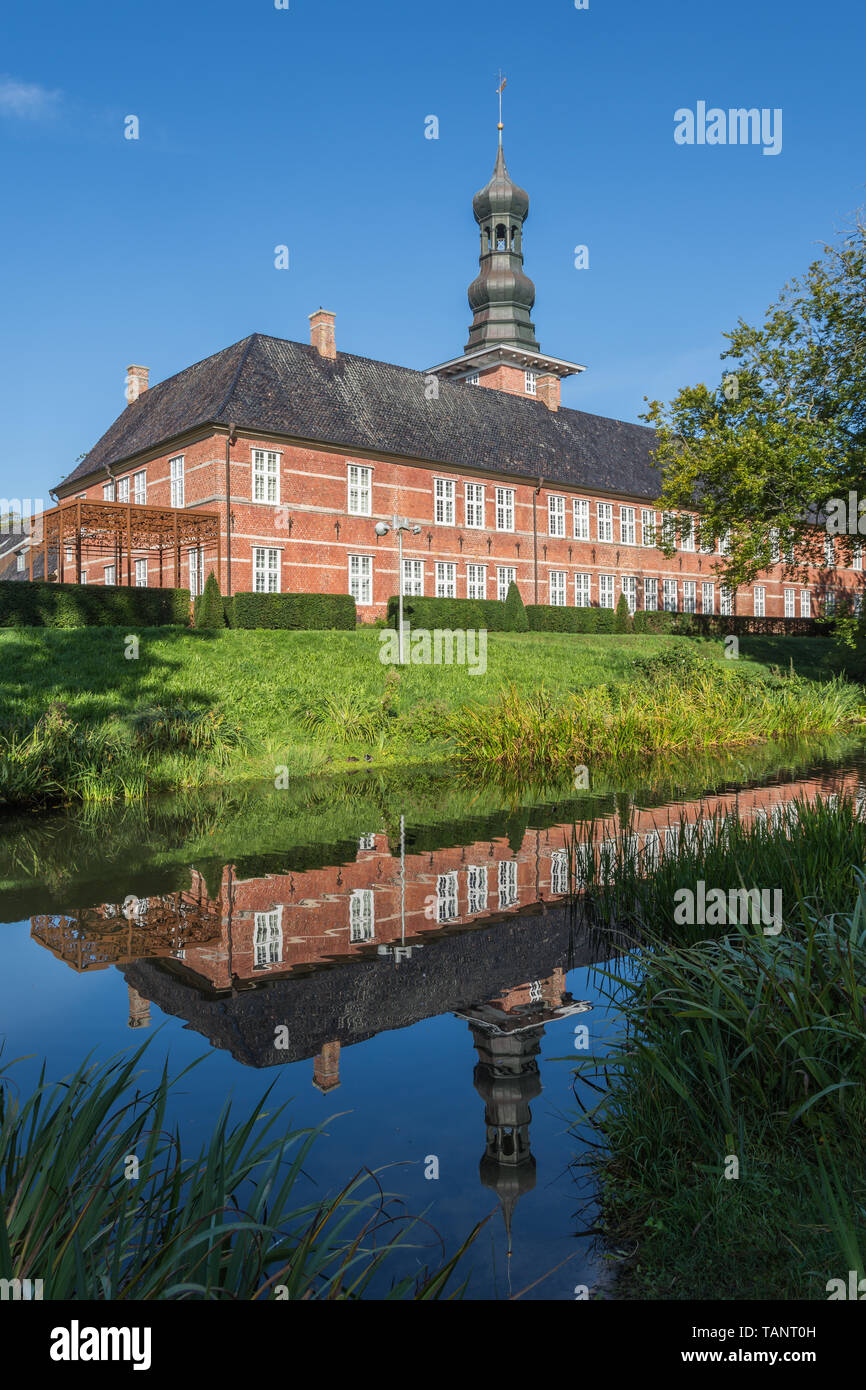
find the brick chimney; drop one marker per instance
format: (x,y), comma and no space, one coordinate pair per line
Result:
(322,334)
(547,389)
(136,382)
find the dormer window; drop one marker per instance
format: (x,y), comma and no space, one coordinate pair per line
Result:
(19,560)
(501,238)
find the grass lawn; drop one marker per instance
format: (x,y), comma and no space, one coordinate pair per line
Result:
(310,700)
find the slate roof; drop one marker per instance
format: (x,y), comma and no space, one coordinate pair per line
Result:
(275,386)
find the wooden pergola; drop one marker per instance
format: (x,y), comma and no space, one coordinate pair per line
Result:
(118,530)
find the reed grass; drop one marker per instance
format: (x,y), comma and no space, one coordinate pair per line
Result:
(227,1223)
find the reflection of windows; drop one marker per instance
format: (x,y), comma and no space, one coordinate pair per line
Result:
(361,915)
(367,841)
(507,882)
(446,897)
(20,561)
(651,849)
(535,995)
(559,871)
(476,879)
(269,937)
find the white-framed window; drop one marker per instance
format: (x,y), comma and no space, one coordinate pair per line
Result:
(476,883)
(829,552)
(476,581)
(708,596)
(647,527)
(669,595)
(805,603)
(629,588)
(858,603)
(507,874)
(759,596)
(20,561)
(175,467)
(651,595)
(559,871)
(531,383)
(582,591)
(141,574)
(109,491)
(725,543)
(139,488)
(558,582)
(266,570)
(669,530)
(690,596)
(627,525)
(857,556)
(109,574)
(830,601)
(726,601)
(68,554)
(473,378)
(580,513)
(604,521)
(123,489)
(606,598)
(474,502)
(505,509)
(443,507)
(360,490)
(775,545)
(687,533)
(361,579)
(266,476)
(446,579)
(447,897)
(84,576)
(707,542)
(556,516)
(790,603)
(362,916)
(269,937)
(413,578)
(196,571)
(505,575)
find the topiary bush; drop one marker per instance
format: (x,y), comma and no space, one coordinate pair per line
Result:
(40,604)
(515,611)
(622,617)
(309,612)
(209,609)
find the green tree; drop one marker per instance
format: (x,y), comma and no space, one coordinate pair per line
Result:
(766,453)
(515,613)
(208,609)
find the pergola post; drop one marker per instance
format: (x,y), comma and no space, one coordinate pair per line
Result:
(129,545)
(176,555)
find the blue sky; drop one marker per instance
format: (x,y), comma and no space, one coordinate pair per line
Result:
(305,127)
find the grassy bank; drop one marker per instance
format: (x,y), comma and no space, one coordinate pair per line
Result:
(84,717)
(741,1045)
(230,1222)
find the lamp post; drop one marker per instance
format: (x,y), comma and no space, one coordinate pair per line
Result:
(398,524)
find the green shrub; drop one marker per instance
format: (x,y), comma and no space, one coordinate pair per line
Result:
(604,619)
(653,622)
(209,610)
(460,614)
(39,604)
(622,617)
(515,612)
(546,617)
(300,612)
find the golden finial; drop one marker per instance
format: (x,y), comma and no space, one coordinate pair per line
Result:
(500,89)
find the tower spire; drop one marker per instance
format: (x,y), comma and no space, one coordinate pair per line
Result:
(500,89)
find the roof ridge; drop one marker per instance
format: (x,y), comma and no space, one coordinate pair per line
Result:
(234,381)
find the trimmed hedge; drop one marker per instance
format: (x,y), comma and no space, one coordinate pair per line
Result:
(546,617)
(39,604)
(312,612)
(460,614)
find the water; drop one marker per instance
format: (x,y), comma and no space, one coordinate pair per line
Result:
(402,956)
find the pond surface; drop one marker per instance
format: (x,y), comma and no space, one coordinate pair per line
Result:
(403,955)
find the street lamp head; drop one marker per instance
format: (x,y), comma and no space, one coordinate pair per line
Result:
(382,528)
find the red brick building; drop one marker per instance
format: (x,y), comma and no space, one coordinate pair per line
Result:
(300,449)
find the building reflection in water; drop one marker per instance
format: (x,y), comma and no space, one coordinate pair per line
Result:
(485,930)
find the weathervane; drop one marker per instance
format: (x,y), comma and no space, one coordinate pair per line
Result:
(500,88)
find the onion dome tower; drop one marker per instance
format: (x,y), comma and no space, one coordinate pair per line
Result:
(501,296)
